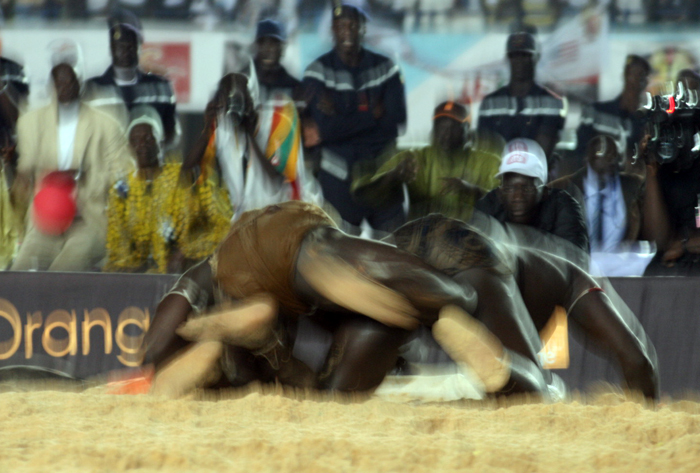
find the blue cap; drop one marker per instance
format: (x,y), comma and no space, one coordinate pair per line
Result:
(350,11)
(124,19)
(271,29)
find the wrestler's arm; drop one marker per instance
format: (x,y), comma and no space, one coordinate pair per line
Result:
(193,291)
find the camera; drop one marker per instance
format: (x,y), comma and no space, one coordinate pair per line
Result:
(236,106)
(672,124)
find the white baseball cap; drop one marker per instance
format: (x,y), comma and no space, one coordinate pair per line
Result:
(527,145)
(524,163)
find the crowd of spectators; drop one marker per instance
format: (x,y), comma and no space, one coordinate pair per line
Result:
(142,205)
(407,15)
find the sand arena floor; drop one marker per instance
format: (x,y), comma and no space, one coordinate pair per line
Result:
(258,430)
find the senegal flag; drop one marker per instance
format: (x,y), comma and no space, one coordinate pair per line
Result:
(284,142)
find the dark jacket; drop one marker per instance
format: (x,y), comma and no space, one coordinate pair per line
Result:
(352,131)
(609,118)
(540,111)
(632,191)
(559,214)
(17,88)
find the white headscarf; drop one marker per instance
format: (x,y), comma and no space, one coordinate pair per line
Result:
(67,51)
(145,114)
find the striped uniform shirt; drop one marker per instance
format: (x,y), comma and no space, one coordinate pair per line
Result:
(540,111)
(351,130)
(342,101)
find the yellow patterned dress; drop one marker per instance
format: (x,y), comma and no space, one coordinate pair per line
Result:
(149,220)
(10,223)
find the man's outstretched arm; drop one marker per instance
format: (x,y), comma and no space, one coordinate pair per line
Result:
(192,292)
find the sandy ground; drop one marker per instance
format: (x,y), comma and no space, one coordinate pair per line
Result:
(259,430)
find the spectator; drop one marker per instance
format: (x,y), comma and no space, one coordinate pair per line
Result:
(273,78)
(14,89)
(72,137)
(612,200)
(523,199)
(447,177)
(618,118)
(258,156)
(10,222)
(355,105)
(129,82)
(524,109)
(157,222)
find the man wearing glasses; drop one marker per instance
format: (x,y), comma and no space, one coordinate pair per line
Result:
(523,198)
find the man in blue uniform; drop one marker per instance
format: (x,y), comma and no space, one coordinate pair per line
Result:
(523,109)
(355,107)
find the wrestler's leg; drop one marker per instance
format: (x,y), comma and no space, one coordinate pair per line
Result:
(592,313)
(392,287)
(253,325)
(239,367)
(502,311)
(500,370)
(364,350)
(604,325)
(375,279)
(362,353)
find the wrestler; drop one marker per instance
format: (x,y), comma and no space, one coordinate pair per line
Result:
(293,253)
(514,282)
